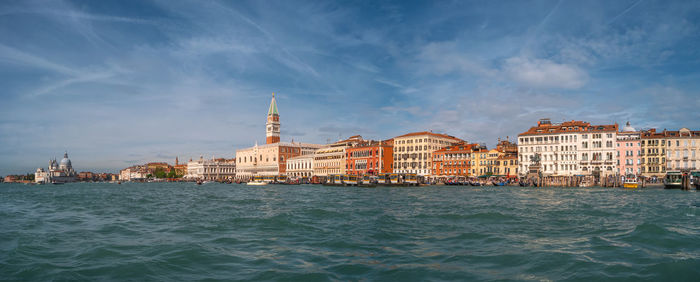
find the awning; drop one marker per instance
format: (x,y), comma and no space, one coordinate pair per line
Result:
(695,173)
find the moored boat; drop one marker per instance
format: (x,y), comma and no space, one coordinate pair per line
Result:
(673,180)
(630,182)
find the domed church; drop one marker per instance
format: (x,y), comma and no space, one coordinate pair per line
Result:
(57,173)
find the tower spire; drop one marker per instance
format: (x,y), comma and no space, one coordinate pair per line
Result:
(273,123)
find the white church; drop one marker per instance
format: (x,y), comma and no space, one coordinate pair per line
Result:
(57,172)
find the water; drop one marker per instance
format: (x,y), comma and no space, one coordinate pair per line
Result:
(180,231)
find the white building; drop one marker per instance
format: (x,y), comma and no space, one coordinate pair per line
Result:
(211,170)
(683,150)
(569,148)
(332,159)
(270,159)
(301,166)
(57,172)
(413,152)
(134,173)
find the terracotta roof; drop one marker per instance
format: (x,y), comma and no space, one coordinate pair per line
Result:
(455,148)
(568,126)
(429,133)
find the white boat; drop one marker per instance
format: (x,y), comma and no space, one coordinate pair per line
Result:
(256,183)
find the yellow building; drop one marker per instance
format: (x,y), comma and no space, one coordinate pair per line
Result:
(653,153)
(479,160)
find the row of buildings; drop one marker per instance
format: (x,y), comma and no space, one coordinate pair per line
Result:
(579,148)
(215,169)
(570,148)
(555,149)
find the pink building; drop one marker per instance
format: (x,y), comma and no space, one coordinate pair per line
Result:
(628,149)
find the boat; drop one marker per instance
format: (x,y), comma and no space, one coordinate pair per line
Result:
(630,182)
(696,179)
(394,178)
(350,180)
(256,183)
(585,183)
(673,180)
(411,179)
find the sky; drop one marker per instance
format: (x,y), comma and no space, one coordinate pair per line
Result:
(118,83)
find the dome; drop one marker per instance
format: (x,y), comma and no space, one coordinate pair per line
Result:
(65,162)
(628,128)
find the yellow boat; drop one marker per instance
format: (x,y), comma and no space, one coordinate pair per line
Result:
(630,182)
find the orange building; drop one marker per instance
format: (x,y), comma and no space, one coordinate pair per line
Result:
(453,160)
(372,157)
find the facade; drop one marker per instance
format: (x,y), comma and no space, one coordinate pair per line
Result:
(134,173)
(413,152)
(211,170)
(332,159)
(270,159)
(506,161)
(300,166)
(628,151)
(682,150)
(480,156)
(569,148)
(159,166)
(453,160)
(373,157)
(653,155)
(57,172)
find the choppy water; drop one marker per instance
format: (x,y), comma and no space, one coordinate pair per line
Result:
(179,231)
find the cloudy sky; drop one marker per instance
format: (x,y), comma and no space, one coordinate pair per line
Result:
(117,83)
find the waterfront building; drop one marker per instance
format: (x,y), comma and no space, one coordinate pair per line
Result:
(271,158)
(479,163)
(372,157)
(332,159)
(569,148)
(134,173)
(180,169)
(159,166)
(653,155)
(211,170)
(506,162)
(62,172)
(453,160)
(86,176)
(300,166)
(413,152)
(628,151)
(682,150)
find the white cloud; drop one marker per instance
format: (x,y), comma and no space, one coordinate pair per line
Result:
(542,73)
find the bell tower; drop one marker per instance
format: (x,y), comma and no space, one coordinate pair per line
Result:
(273,123)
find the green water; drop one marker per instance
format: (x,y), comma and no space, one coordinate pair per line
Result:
(180,231)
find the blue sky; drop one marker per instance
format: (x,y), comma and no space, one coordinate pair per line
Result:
(118,83)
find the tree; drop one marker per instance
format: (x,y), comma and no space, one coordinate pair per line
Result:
(159,173)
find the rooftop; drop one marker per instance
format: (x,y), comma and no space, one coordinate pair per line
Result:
(568,127)
(430,134)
